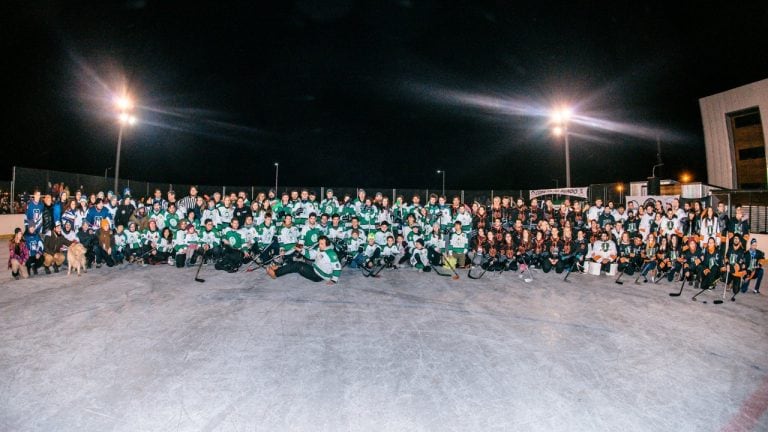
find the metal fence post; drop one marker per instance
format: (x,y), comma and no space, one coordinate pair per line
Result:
(491,195)
(393,196)
(462,196)
(13,191)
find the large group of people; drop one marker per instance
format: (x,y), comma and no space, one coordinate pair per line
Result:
(317,237)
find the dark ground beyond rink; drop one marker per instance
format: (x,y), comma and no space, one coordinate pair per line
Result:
(151,350)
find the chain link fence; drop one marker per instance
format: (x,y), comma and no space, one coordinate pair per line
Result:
(15,194)
(754,206)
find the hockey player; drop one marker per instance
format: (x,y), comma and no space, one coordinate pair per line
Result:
(36,250)
(354,246)
(604,252)
(735,264)
(336,229)
(692,262)
(326,266)
(132,243)
(266,240)
(96,214)
(390,253)
(34,213)
(754,266)
(371,255)
(739,225)
(287,237)
(419,257)
(461,216)
(382,233)
(225,214)
(649,256)
(457,245)
(709,271)
(158,215)
(329,205)
(710,228)
(308,236)
(596,210)
(172,219)
(209,212)
(368,214)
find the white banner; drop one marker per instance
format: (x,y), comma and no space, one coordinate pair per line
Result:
(645,200)
(580,192)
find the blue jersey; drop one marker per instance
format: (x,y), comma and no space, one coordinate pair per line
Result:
(34,215)
(95,216)
(34,244)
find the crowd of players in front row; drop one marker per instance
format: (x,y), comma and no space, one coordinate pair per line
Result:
(297,233)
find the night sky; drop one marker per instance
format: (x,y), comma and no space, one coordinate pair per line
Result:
(370,93)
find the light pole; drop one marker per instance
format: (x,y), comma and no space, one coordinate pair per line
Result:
(560,118)
(124,105)
(277,168)
(557,186)
(443,173)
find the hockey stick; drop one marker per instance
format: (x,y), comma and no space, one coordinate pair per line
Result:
(727,274)
(469,273)
(706,288)
(197,274)
(453,269)
(618,281)
(529,279)
(570,268)
(682,285)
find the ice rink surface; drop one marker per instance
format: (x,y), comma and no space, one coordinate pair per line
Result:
(148,349)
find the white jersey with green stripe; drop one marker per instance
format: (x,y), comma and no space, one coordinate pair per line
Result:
(148,237)
(327,265)
(211,238)
(457,242)
(287,237)
(265,233)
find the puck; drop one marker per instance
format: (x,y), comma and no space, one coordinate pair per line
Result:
(705,302)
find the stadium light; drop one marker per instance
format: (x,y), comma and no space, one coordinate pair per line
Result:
(560,118)
(124,105)
(685,177)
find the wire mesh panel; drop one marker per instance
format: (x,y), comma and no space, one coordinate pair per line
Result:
(5,198)
(482,197)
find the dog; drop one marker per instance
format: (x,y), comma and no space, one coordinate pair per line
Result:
(76,258)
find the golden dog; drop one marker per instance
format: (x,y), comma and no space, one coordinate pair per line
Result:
(76,258)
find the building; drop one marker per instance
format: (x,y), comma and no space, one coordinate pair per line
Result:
(734,136)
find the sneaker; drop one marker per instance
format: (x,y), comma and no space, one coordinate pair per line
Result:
(170,261)
(35,270)
(756,291)
(47,271)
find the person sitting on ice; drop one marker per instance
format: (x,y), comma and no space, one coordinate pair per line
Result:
(604,252)
(326,266)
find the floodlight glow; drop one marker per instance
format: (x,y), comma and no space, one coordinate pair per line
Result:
(561,115)
(126,119)
(124,103)
(685,178)
(557,130)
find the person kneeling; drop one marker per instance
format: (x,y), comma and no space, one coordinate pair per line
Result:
(326,266)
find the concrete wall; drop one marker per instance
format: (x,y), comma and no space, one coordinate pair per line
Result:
(10,222)
(721,165)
